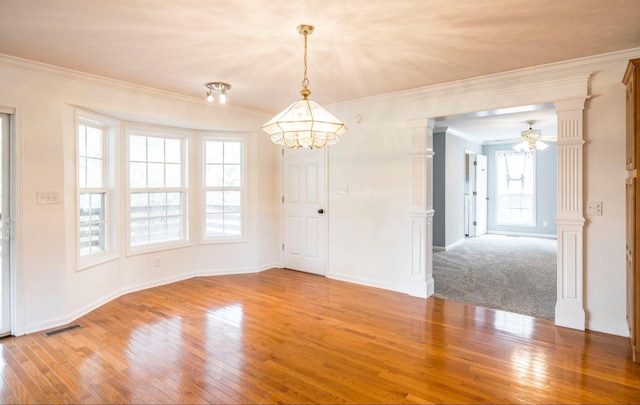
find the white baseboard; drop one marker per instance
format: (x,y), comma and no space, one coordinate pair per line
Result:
(73,316)
(367,282)
(531,235)
(448,247)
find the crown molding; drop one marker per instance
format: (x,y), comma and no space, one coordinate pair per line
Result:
(26,65)
(573,71)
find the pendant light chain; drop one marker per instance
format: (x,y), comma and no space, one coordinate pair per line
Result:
(305,80)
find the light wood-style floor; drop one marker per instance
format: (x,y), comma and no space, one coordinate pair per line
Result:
(290,337)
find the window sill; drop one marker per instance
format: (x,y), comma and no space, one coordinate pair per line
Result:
(215,241)
(157,247)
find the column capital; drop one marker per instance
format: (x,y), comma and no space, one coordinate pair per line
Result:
(571,104)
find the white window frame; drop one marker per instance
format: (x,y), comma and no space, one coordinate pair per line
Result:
(167,133)
(217,137)
(110,129)
(499,220)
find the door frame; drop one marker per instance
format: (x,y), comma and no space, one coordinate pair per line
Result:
(15,204)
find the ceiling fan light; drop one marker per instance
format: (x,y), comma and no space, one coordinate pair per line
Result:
(521,146)
(541,145)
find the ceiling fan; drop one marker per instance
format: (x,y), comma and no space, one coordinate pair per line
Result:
(532,139)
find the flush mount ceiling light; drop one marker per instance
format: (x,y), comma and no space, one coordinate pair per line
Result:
(304,123)
(217,87)
(531,139)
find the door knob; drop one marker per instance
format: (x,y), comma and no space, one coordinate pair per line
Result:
(320,211)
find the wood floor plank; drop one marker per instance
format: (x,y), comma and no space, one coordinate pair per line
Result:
(281,336)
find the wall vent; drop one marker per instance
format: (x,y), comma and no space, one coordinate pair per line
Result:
(65,329)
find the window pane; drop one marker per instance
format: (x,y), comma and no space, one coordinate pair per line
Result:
(174,204)
(232,152)
(139,205)
(215,225)
(173,151)
(94,173)
(156,175)
(157,229)
(137,148)
(139,231)
(94,142)
(156,149)
(173,173)
(174,228)
(214,176)
(214,152)
(92,216)
(97,207)
(157,204)
(82,172)
(82,140)
(232,175)
(214,201)
(138,175)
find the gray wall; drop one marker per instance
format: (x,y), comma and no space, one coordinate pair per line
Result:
(439,206)
(546,191)
(448,186)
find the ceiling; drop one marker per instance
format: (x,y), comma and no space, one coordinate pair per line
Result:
(360,48)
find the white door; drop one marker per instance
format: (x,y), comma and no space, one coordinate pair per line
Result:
(305,196)
(5,310)
(478,187)
(481,195)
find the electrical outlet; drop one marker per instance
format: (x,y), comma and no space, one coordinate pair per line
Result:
(594,208)
(156,262)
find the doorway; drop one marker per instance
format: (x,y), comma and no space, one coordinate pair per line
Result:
(501,265)
(5,224)
(304,200)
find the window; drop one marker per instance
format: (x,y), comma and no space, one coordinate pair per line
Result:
(95,178)
(223,188)
(515,186)
(157,190)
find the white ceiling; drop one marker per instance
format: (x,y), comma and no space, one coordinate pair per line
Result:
(360,48)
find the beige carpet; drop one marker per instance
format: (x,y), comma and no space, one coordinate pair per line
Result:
(510,273)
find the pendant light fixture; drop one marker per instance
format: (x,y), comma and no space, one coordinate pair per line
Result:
(531,139)
(304,123)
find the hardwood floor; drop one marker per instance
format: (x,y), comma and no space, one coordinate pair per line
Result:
(287,337)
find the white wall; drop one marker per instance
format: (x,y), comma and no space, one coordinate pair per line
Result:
(50,289)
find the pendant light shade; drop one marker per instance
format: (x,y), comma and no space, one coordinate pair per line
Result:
(304,123)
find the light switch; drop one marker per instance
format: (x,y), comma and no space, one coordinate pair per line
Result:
(343,189)
(48,197)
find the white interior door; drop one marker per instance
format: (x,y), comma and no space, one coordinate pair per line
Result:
(481,196)
(5,227)
(305,195)
(478,189)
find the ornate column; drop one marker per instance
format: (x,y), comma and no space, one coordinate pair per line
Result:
(421,210)
(569,309)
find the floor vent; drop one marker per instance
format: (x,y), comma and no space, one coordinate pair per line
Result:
(66,329)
